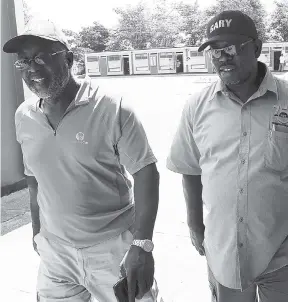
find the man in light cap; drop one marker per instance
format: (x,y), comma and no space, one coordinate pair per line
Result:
(232,149)
(78,144)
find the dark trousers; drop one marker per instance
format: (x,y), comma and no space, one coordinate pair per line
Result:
(272,287)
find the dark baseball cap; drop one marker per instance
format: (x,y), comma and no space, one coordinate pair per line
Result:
(230,25)
(44,29)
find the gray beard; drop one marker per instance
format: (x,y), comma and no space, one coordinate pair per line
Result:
(55,88)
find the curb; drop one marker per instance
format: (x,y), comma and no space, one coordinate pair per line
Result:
(17,186)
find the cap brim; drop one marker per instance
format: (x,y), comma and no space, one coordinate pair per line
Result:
(227,37)
(15,44)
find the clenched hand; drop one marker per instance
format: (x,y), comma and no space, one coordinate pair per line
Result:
(139,269)
(197,239)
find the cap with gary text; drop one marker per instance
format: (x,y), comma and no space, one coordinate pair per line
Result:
(44,29)
(230,25)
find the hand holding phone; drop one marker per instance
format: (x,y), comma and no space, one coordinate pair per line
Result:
(121,290)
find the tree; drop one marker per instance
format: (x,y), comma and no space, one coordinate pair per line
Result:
(164,25)
(141,27)
(132,31)
(94,37)
(193,22)
(118,41)
(72,37)
(278,23)
(79,57)
(253,8)
(73,40)
(27,12)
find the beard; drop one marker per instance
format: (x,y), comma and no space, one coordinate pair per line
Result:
(51,87)
(233,78)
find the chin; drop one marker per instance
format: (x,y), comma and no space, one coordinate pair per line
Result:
(43,93)
(231,81)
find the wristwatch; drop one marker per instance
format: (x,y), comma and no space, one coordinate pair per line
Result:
(146,244)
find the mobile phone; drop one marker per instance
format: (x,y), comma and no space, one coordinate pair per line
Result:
(121,290)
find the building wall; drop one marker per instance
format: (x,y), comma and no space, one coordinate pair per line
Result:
(11,95)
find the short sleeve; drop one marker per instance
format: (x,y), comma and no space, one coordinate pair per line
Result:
(27,171)
(184,154)
(133,147)
(18,120)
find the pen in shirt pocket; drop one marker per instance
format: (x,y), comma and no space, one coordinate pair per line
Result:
(280,128)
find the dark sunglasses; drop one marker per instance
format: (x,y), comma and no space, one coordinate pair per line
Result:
(230,50)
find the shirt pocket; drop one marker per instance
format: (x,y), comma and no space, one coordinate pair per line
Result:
(276,151)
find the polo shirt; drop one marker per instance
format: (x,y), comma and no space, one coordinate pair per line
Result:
(84,192)
(243,163)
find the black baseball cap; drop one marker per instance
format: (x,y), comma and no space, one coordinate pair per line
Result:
(40,28)
(229,25)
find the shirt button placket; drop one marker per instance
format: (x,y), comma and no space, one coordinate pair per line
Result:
(242,193)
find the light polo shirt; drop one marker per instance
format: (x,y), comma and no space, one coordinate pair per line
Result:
(243,165)
(84,193)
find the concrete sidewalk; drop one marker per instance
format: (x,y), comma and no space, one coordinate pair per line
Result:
(180,271)
(15,211)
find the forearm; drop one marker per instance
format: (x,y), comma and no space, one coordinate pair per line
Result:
(34,207)
(146,195)
(35,218)
(192,188)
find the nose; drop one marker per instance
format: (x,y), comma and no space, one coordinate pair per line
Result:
(224,57)
(33,67)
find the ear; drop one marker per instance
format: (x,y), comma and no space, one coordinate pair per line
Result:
(258,48)
(70,58)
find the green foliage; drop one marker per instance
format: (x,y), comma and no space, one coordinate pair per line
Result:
(193,22)
(142,27)
(278,22)
(27,12)
(164,25)
(94,37)
(78,50)
(169,24)
(133,28)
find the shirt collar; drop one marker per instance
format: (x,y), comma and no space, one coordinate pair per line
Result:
(268,83)
(85,93)
(83,96)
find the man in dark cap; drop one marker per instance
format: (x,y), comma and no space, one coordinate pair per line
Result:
(232,149)
(78,144)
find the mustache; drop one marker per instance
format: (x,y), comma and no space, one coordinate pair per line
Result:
(227,64)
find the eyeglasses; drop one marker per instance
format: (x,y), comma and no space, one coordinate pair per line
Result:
(40,60)
(230,50)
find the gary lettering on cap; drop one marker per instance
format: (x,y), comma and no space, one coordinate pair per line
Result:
(229,26)
(42,29)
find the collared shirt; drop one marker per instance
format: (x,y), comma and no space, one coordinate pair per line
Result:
(84,192)
(243,163)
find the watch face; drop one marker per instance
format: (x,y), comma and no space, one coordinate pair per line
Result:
(148,246)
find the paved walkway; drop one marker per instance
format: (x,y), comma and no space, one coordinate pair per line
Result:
(180,271)
(15,211)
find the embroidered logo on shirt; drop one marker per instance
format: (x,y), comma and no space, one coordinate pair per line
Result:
(80,138)
(281,115)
